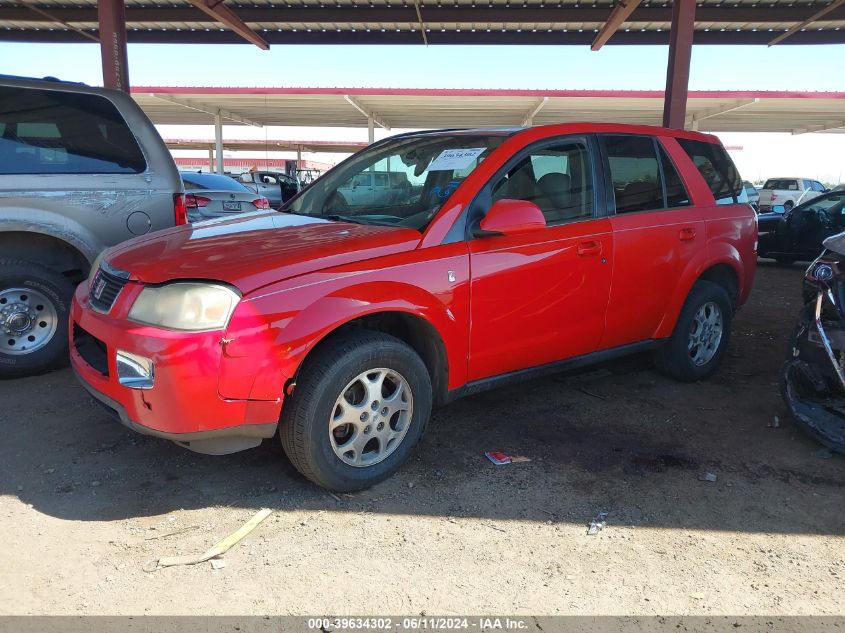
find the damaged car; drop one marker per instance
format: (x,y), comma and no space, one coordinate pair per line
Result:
(813,376)
(338,325)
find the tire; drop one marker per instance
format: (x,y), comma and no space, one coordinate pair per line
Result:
(677,358)
(787,206)
(333,372)
(34,313)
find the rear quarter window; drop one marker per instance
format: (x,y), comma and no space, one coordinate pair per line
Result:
(717,169)
(781,184)
(55,132)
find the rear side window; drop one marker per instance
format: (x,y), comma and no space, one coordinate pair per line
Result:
(781,184)
(635,172)
(54,132)
(717,169)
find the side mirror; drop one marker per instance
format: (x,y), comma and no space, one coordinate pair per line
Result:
(779,208)
(511,217)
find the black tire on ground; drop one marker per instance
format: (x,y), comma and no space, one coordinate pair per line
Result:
(55,288)
(785,260)
(304,424)
(787,206)
(673,358)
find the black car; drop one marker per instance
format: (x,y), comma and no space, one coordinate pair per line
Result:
(797,234)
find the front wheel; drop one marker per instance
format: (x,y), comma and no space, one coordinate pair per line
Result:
(697,344)
(34,312)
(360,406)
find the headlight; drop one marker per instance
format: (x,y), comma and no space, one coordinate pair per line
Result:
(95,267)
(191,306)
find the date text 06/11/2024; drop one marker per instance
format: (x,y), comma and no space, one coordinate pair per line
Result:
(431,623)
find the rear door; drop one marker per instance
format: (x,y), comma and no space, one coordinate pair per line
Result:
(540,297)
(657,233)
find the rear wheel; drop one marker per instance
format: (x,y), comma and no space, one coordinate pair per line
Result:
(787,206)
(34,312)
(360,406)
(696,346)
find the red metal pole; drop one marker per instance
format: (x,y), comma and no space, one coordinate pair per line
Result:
(112,17)
(677,72)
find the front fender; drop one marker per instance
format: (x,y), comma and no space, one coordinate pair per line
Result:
(269,337)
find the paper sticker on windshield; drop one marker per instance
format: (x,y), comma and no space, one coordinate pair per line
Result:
(455,159)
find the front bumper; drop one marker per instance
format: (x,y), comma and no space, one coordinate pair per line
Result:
(184,404)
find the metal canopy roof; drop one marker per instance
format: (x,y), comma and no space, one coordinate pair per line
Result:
(716,111)
(435,21)
(331,147)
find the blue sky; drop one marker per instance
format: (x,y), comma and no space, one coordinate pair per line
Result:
(563,67)
(806,68)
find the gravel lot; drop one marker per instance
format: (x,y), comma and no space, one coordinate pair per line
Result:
(84,504)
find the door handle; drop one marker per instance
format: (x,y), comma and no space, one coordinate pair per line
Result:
(585,249)
(687,235)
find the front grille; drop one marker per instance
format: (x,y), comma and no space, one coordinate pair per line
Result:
(92,350)
(104,290)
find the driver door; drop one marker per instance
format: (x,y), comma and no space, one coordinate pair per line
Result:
(541,297)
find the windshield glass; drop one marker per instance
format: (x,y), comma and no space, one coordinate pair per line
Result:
(399,183)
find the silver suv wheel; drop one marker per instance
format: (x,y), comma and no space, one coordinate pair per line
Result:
(28,320)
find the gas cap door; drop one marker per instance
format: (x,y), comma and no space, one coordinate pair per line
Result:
(138,223)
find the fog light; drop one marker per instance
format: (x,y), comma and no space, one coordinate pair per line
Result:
(823,272)
(133,371)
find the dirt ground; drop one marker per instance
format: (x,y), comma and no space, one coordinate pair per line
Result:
(85,503)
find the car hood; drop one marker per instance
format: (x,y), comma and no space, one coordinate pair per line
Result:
(252,250)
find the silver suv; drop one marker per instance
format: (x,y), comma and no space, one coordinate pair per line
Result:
(81,169)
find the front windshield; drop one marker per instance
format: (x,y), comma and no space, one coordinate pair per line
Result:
(398,183)
(827,203)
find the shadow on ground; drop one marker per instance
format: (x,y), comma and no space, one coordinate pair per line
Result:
(617,438)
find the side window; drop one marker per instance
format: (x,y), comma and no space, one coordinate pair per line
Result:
(635,172)
(361,180)
(56,132)
(557,178)
(381,179)
(717,169)
(676,193)
(817,186)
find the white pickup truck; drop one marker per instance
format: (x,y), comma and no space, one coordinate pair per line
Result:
(788,192)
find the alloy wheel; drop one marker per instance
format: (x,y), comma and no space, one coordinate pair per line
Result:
(371,417)
(705,333)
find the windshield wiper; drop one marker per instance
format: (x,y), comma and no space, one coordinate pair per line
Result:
(334,217)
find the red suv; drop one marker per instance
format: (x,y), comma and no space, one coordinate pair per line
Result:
(491,255)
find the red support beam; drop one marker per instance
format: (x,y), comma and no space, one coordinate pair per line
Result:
(677,72)
(112,18)
(818,15)
(620,14)
(228,18)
